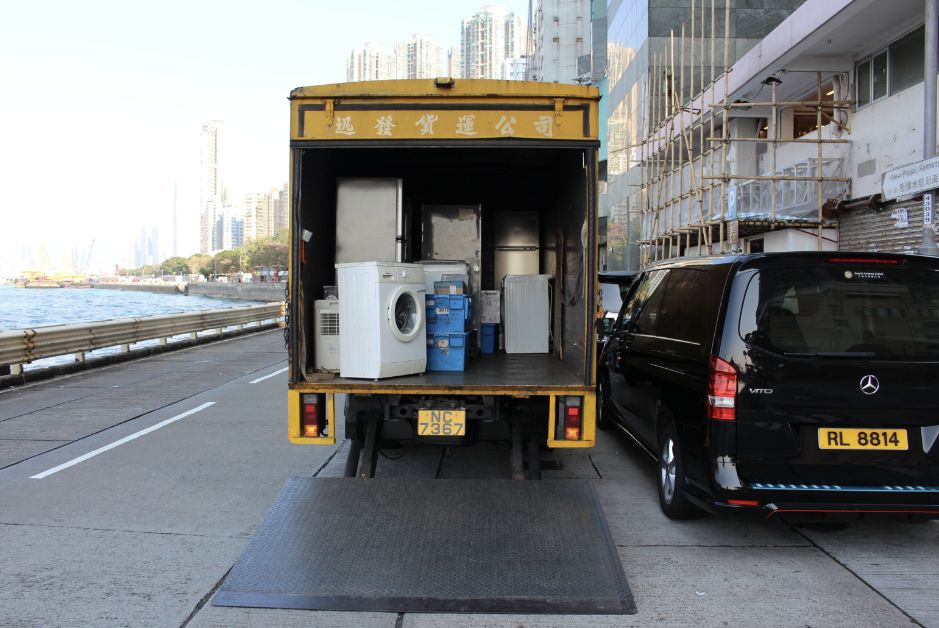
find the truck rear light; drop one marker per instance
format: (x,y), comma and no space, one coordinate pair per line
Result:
(722,391)
(312,416)
(570,411)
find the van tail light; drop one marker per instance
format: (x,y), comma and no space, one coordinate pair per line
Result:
(571,413)
(312,416)
(722,391)
(744,502)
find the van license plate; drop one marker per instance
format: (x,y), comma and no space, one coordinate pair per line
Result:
(853,438)
(441,422)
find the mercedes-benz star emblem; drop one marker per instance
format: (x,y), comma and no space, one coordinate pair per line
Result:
(869,384)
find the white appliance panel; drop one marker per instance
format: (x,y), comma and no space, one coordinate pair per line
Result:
(377,204)
(527,319)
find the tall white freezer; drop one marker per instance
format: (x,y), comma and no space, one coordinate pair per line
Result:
(527,317)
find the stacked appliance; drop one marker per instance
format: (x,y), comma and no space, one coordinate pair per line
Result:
(517,249)
(527,317)
(381,319)
(370,221)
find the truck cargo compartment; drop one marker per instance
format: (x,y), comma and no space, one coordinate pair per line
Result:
(496,183)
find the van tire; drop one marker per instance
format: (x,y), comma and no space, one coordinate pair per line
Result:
(670,479)
(603,405)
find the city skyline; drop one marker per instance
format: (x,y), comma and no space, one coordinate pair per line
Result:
(117,148)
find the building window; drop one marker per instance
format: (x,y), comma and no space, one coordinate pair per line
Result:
(805,118)
(906,61)
(891,70)
(863,83)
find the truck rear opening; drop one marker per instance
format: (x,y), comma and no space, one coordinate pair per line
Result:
(553,179)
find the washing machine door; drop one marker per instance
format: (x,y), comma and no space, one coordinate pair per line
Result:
(406,314)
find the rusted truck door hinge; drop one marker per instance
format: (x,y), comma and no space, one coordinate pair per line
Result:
(330,104)
(559,110)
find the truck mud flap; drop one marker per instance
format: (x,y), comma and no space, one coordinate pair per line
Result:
(461,546)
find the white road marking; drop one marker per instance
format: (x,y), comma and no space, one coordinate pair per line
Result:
(117,443)
(268,376)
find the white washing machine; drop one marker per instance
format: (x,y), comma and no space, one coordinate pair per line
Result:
(381,321)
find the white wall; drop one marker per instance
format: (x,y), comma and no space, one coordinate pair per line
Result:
(888,131)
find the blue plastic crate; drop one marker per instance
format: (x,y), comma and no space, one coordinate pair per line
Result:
(448,313)
(447,351)
(487,335)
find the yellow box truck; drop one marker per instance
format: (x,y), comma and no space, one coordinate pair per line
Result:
(458,219)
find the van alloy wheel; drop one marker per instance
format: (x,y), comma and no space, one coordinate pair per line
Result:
(667,471)
(671,487)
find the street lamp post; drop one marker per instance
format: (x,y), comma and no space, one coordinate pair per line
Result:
(928,243)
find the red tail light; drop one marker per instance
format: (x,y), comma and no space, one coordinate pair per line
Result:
(570,417)
(862,260)
(722,391)
(312,416)
(743,502)
(572,423)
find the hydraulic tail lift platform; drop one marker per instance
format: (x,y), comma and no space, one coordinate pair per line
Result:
(406,545)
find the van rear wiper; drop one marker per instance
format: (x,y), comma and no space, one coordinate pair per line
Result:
(833,354)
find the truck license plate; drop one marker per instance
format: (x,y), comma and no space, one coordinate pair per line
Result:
(441,422)
(854,438)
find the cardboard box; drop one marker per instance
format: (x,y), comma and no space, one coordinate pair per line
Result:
(449,287)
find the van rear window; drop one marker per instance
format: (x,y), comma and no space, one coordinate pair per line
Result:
(889,313)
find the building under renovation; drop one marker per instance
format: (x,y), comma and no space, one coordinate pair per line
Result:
(783,148)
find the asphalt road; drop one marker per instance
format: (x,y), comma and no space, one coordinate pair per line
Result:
(127,493)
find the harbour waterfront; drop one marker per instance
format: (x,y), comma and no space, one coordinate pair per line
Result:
(23,309)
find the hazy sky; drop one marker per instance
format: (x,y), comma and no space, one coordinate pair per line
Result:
(102,103)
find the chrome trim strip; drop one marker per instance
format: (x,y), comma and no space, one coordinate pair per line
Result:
(849,489)
(687,342)
(665,368)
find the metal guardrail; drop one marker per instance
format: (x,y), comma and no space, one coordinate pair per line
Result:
(22,346)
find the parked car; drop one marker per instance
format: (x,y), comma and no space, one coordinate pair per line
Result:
(790,382)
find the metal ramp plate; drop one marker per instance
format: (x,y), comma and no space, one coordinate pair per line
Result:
(462,546)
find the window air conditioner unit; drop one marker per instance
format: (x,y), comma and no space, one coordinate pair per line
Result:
(326,346)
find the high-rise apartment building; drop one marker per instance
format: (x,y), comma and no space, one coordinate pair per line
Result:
(491,36)
(562,39)
(371,63)
(420,57)
(210,182)
(454,63)
(514,69)
(425,57)
(266,213)
(229,230)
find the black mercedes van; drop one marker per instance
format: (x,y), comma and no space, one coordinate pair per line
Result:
(790,382)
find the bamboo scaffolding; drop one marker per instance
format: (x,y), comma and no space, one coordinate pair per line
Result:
(726,125)
(684,189)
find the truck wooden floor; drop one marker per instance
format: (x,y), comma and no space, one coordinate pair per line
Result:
(509,371)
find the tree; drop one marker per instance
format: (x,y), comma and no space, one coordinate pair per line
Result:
(226,262)
(269,254)
(200,263)
(175,266)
